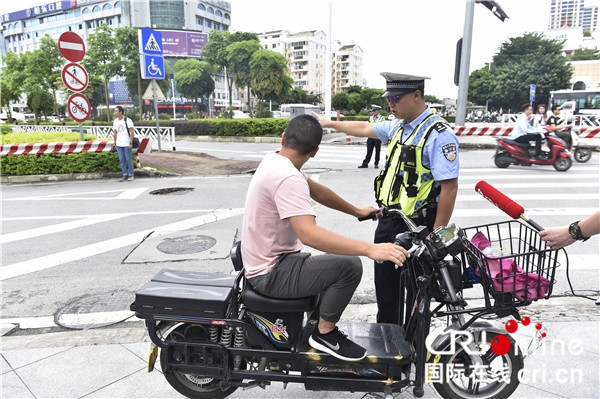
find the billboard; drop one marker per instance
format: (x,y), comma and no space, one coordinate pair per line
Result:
(182,43)
(38,10)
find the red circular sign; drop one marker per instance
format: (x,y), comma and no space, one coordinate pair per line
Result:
(79,107)
(75,77)
(71,46)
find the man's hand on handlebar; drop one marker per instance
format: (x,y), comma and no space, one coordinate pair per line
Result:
(388,252)
(365,213)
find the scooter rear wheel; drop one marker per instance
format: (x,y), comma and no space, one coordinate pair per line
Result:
(192,385)
(472,384)
(502,161)
(562,164)
(582,154)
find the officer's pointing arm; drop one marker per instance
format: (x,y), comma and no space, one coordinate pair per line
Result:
(353,128)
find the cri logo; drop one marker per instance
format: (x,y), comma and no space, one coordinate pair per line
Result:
(501,344)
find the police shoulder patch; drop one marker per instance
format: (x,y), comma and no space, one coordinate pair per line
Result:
(440,126)
(450,152)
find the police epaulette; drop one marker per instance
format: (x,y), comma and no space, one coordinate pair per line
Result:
(441,126)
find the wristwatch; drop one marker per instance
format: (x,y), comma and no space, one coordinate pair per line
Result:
(575,232)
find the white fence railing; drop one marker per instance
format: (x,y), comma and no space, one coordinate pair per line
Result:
(577,121)
(167,134)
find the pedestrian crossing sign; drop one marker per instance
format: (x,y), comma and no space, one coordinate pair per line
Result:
(150,42)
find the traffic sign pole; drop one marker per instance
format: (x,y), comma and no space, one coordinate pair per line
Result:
(156,113)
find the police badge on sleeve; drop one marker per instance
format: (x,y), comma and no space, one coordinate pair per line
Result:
(450,152)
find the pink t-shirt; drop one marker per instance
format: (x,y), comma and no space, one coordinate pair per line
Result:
(277,191)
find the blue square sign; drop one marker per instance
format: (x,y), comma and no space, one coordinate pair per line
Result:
(150,41)
(153,66)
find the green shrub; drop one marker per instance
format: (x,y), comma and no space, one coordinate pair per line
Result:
(226,127)
(84,162)
(44,137)
(164,117)
(450,119)
(5,129)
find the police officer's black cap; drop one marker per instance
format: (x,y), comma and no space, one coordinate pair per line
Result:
(399,83)
(375,107)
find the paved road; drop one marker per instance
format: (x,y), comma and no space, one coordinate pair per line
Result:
(67,242)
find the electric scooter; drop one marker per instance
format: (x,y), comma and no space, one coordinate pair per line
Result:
(511,152)
(217,334)
(581,151)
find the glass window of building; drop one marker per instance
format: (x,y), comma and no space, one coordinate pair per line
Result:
(227,16)
(118,4)
(208,23)
(210,10)
(225,27)
(17,25)
(107,6)
(217,26)
(199,20)
(218,13)
(201,7)
(86,11)
(96,9)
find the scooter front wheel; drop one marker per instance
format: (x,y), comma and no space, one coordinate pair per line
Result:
(495,377)
(562,164)
(582,154)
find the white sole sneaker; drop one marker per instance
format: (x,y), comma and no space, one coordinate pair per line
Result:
(314,344)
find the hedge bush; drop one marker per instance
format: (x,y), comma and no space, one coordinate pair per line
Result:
(44,137)
(225,127)
(84,162)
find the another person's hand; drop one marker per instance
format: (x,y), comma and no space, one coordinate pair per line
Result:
(557,238)
(322,120)
(388,252)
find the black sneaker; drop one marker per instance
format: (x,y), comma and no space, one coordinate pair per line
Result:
(337,344)
(363,166)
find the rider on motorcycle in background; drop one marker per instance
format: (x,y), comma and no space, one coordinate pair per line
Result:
(553,122)
(523,132)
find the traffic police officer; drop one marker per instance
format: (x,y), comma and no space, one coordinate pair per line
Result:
(371,142)
(420,176)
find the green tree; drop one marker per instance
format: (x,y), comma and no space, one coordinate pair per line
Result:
(102,58)
(340,101)
(355,103)
(354,89)
(127,47)
(13,76)
(300,96)
(194,79)
(432,99)
(239,55)
(520,62)
(269,76)
(583,54)
(587,33)
(47,62)
(95,92)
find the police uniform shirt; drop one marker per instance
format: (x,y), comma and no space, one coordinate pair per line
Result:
(440,154)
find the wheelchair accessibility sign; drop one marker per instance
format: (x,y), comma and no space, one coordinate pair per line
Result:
(152,66)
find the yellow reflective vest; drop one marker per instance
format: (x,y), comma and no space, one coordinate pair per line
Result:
(404,181)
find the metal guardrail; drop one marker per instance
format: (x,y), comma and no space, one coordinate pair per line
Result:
(167,134)
(576,122)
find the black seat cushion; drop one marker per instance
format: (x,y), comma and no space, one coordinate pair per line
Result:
(259,302)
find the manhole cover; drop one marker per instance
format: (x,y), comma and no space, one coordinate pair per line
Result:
(186,245)
(96,311)
(172,190)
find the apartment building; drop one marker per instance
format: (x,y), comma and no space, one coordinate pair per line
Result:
(347,68)
(572,14)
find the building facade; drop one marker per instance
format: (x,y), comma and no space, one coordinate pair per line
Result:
(306,58)
(347,68)
(572,14)
(23,30)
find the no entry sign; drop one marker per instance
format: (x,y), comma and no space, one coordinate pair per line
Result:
(75,77)
(71,46)
(79,107)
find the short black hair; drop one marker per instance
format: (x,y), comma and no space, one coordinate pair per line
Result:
(555,107)
(120,109)
(303,134)
(525,106)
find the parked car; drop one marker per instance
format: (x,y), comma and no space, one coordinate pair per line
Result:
(276,114)
(237,114)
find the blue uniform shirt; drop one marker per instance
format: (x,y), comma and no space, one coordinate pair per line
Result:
(437,153)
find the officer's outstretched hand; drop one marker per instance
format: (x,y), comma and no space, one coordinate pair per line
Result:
(322,120)
(388,252)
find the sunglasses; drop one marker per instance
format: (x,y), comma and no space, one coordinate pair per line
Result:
(395,99)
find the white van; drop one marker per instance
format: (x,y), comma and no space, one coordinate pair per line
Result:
(19,112)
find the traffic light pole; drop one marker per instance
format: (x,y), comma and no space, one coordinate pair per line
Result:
(463,81)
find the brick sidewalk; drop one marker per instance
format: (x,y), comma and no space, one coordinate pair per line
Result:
(187,163)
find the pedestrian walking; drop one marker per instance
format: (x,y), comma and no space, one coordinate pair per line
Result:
(371,142)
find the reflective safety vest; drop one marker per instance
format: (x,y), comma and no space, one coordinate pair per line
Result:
(405,182)
(379,118)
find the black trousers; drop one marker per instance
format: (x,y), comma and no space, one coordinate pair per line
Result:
(387,276)
(526,138)
(372,143)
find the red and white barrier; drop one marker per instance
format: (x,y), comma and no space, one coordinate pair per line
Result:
(67,148)
(585,132)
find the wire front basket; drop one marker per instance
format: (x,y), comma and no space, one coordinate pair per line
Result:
(513,264)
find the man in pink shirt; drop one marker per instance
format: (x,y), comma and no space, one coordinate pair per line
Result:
(279,221)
